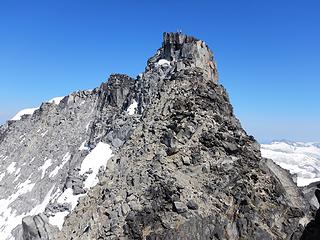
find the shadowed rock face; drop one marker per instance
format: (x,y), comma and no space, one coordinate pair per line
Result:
(312,230)
(182,166)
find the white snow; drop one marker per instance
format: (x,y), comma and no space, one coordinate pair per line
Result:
(65,159)
(2,176)
(56,100)
(45,166)
(302,159)
(17,177)
(8,217)
(27,111)
(58,219)
(41,207)
(163,62)
(17,171)
(68,197)
(87,126)
(97,158)
(11,168)
(23,188)
(84,147)
(132,108)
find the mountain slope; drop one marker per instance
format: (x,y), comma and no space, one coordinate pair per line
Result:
(188,170)
(157,157)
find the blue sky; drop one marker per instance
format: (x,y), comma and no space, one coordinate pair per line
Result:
(268,53)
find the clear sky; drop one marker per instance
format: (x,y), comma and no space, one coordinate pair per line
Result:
(268,53)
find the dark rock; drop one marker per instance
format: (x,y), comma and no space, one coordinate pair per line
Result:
(191,204)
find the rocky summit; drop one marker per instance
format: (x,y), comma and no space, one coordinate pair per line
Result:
(160,156)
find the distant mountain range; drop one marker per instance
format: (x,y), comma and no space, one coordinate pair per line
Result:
(301,159)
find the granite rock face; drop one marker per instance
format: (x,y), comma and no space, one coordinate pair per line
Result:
(181,166)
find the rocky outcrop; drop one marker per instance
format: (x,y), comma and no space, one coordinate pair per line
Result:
(181,166)
(312,230)
(37,228)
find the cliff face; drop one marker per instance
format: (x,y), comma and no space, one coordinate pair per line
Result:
(175,161)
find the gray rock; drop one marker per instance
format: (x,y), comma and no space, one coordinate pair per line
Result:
(37,228)
(191,204)
(179,207)
(186,160)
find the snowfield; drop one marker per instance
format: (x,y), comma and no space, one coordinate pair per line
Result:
(30,111)
(27,111)
(302,159)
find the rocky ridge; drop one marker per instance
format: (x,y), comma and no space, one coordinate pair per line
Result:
(181,166)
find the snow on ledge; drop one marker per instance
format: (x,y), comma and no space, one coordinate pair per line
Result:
(30,111)
(58,219)
(163,62)
(27,111)
(132,108)
(56,100)
(97,158)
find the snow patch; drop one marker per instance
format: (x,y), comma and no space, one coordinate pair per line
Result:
(2,176)
(27,111)
(132,108)
(87,126)
(163,62)
(23,188)
(56,100)
(83,147)
(68,197)
(97,158)
(11,168)
(58,219)
(42,206)
(8,217)
(65,159)
(17,177)
(45,166)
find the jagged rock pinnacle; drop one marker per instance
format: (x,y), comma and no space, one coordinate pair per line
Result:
(187,51)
